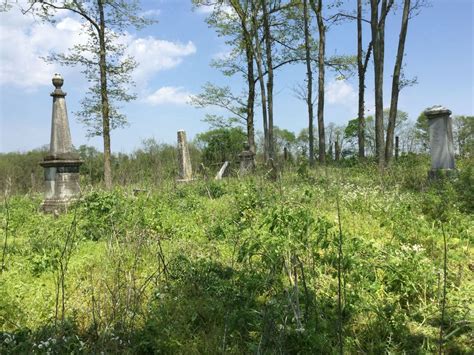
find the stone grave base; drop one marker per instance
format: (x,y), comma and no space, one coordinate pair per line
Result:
(184,181)
(439,174)
(52,206)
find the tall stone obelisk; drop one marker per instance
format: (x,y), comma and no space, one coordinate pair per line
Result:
(61,165)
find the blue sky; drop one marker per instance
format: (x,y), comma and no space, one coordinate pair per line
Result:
(174,57)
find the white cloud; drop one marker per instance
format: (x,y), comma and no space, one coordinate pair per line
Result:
(205,9)
(223,9)
(222,55)
(169,95)
(154,55)
(24,41)
(340,92)
(151,13)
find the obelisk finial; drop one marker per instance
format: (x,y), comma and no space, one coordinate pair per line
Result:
(58,82)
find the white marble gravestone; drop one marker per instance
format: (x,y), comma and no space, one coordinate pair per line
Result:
(441,138)
(222,171)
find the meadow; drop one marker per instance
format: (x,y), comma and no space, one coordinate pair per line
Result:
(327,260)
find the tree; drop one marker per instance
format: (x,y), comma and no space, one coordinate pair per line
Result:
(309,76)
(464,134)
(259,61)
(422,133)
(102,59)
(377,22)
(221,144)
(237,27)
(302,141)
(397,79)
(224,98)
(317,8)
(283,138)
(243,13)
(362,62)
(269,61)
(351,130)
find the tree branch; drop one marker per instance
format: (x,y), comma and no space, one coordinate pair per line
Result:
(80,11)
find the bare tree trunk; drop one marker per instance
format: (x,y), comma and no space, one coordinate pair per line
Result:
(251,94)
(104,100)
(249,53)
(397,148)
(268,52)
(378,79)
(361,73)
(396,83)
(261,80)
(337,150)
(378,40)
(263,97)
(317,8)
(309,74)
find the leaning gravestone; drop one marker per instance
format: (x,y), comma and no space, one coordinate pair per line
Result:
(222,171)
(61,165)
(184,160)
(247,160)
(441,141)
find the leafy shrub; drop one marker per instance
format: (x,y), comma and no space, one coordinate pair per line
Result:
(99,212)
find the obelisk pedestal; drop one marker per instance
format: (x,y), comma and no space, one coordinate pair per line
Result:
(61,165)
(247,161)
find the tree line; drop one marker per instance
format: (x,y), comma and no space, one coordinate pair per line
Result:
(155,163)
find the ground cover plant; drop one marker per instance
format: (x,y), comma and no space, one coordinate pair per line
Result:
(326,260)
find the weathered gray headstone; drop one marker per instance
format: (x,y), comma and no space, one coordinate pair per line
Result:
(222,171)
(441,139)
(184,160)
(247,160)
(61,165)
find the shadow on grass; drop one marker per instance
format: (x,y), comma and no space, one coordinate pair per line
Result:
(208,308)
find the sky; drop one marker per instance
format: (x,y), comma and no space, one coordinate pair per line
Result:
(174,56)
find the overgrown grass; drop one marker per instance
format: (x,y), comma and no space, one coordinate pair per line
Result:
(245,266)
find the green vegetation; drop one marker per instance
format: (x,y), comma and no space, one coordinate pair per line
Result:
(246,266)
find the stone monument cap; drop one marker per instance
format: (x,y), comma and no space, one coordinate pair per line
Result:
(58,82)
(246,152)
(437,110)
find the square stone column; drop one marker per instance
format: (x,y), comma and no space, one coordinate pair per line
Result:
(441,139)
(184,160)
(247,161)
(61,165)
